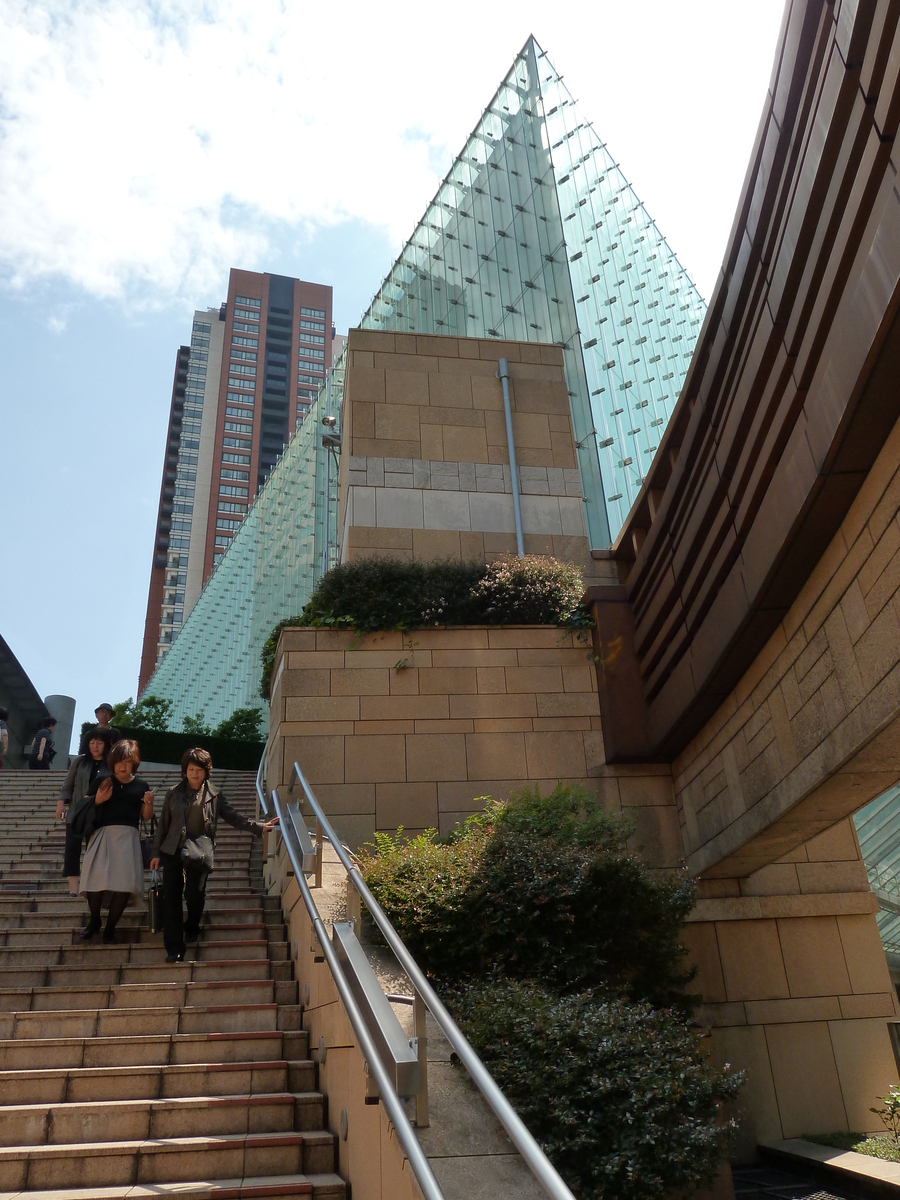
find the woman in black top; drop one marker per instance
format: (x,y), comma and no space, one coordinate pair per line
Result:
(73,794)
(112,868)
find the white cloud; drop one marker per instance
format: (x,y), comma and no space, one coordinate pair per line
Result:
(145,147)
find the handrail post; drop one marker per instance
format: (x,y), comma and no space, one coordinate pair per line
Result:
(422,1054)
(354,905)
(320,849)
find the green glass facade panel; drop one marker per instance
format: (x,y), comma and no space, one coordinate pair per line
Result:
(534,235)
(267,573)
(878,830)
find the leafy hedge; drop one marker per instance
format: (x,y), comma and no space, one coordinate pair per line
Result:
(386,593)
(558,952)
(163,746)
(618,1094)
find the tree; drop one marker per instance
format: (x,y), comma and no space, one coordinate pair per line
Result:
(196,725)
(242,726)
(152,712)
(123,714)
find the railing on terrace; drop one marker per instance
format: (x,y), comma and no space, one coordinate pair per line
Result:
(399,1066)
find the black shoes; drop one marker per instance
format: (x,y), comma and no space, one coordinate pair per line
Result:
(89,930)
(174,958)
(109,936)
(191,935)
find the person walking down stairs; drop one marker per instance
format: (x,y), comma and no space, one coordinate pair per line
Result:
(184,843)
(112,862)
(75,804)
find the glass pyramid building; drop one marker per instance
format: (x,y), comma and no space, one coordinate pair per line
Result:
(534,235)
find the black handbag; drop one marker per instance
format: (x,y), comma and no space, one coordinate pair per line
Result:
(155,902)
(148,829)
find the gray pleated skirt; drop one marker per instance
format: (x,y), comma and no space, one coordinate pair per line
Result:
(112,863)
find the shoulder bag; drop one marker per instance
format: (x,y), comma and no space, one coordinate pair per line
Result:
(195,852)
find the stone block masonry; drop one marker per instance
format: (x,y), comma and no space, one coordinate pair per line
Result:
(412,730)
(427,474)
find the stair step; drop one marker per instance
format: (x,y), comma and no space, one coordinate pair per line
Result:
(149,1161)
(49,953)
(101,1121)
(75,976)
(130,995)
(80,1084)
(218,1046)
(134,1022)
(320,1186)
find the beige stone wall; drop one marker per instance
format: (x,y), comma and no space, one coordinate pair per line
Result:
(810,734)
(425,469)
(394,730)
(796,991)
(370,1158)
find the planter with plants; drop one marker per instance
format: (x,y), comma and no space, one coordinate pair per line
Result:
(388,594)
(557,950)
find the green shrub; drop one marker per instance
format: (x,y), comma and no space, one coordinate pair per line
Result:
(267,654)
(557,950)
(385,593)
(424,886)
(618,1094)
(541,889)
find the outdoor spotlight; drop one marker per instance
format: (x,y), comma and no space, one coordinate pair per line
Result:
(330,422)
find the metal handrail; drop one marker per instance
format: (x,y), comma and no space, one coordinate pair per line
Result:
(395,1108)
(260,790)
(540,1166)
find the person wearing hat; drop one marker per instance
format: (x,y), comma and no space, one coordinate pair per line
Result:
(103,712)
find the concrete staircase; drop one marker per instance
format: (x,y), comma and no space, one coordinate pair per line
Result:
(124,1076)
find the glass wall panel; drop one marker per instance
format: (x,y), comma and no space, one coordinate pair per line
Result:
(267,574)
(878,830)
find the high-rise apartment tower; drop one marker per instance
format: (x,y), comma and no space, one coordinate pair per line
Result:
(241,387)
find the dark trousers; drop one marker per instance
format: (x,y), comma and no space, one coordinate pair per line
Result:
(43,765)
(72,859)
(181,881)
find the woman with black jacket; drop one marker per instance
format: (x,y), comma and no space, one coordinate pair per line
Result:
(183,844)
(73,795)
(112,871)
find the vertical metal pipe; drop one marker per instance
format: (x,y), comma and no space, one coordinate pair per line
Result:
(503,376)
(327,476)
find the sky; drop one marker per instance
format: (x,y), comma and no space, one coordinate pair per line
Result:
(148,147)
